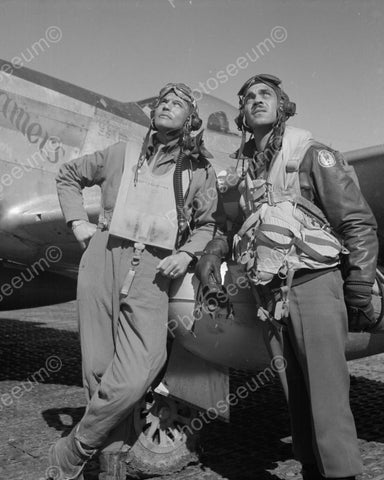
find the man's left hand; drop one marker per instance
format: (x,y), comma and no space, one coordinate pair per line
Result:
(361,314)
(361,319)
(175,265)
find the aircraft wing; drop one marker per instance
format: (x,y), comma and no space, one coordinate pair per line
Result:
(369,166)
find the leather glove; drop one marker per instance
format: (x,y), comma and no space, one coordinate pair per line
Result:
(361,314)
(208,267)
(208,272)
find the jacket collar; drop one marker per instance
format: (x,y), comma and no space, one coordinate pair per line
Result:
(249,149)
(197,147)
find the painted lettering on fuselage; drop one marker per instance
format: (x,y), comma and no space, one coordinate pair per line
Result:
(32,130)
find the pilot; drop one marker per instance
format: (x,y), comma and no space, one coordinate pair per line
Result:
(307,240)
(154,217)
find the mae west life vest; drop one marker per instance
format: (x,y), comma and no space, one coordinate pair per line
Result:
(284,231)
(145,212)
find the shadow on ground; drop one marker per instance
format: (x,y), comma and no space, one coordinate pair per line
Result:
(255,444)
(26,347)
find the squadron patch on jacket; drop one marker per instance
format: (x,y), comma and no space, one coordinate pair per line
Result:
(326,158)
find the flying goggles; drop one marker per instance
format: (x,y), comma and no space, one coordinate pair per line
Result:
(270,80)
(181,90)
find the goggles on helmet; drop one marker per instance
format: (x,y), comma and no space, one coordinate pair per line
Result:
(181,90)
(270,80)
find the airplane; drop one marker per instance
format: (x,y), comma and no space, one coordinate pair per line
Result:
(45,122)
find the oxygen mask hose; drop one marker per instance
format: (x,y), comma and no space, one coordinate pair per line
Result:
(182,222)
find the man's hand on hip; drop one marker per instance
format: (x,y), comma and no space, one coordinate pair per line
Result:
(83,231)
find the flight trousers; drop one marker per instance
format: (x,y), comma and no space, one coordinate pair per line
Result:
(123,338)
(312,342)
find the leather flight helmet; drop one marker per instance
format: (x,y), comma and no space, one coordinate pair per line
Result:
(185,93)
(286,108)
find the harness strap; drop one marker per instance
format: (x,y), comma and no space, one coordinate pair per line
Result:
(320,241)
(310,251)
(294,241)
(266,227)
(261,236)
(136,258)
(311,209)
(249,222)
(269,227)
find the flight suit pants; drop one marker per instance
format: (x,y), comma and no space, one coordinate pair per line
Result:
(123,339)
(317,377)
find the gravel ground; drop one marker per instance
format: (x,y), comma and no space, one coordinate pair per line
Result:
(41,397)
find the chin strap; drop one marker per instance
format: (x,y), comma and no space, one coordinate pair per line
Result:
(240,155)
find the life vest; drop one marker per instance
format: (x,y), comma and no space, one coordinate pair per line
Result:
(145,211)
(284,232)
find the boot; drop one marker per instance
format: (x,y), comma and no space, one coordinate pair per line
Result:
(112,466)
(67,458)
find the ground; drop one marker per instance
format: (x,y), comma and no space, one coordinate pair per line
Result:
(41,397)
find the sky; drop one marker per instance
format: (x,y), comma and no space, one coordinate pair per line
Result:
(328,53)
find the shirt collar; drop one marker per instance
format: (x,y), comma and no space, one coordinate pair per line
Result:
(154,144)
(198,149)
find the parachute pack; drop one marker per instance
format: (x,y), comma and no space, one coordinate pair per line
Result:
(284,231)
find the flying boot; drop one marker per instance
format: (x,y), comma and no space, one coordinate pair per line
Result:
(67,458)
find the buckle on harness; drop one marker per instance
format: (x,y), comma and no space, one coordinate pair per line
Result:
(282,305)
(283,272)
(137,254)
